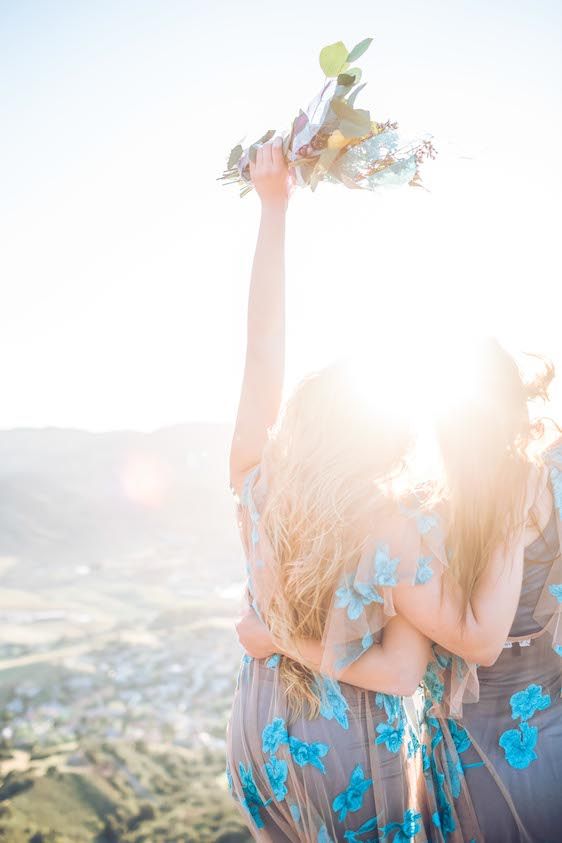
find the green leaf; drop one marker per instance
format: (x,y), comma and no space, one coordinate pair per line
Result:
(359,49)
(352,97)
(234,157)
(333,58)
(360,118)
(265,138)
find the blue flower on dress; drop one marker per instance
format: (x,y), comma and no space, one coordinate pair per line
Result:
(405,830)
(333,704)
(308,753)
(433,683)
(351,799)
(273,661)
(295,812)
(277,772)
(355,596)
(525,703)
(413,743)
(459,735)
(367,641)
(323,836)
(392,705)
(274,734)
(368,826)
(424,570)
(519,745)
(456,772)
(391,736)
(252,801)
(558,649)
(556,480)
(556,591)
(426,523)
(385,567)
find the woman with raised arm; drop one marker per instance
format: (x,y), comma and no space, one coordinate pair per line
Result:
(310,759)
(499,757)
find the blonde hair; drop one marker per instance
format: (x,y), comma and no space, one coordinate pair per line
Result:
(324,462)
(485,446)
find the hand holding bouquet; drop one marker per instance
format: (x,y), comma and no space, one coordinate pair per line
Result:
(335,141)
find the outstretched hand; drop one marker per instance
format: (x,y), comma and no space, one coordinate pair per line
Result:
(254,636)
(270,174)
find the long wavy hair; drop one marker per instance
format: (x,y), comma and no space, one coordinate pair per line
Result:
(486,441)
(326,462)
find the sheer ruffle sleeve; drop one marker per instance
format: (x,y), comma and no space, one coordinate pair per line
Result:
(404,546)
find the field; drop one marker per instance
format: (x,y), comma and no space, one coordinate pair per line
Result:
(118,658)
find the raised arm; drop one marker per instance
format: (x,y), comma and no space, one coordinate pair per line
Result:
(262,385)
(395,666)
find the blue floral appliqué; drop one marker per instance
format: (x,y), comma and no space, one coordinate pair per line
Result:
(426,523)
(308,753)
(333,704)
(460,736)
(519,746)
(385,567)
(433,683)
(391,704)
(525,703)
(274,734)
(424,571)
(354,596)
(556,591)
(295,812)
(323,836)
(406,830)
(252,801)
(351,799)
(558,649)
(369,825)
(391,736)
(277,772)
(273,661)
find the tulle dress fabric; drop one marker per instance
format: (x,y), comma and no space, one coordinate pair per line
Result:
(502,760)
(355,772)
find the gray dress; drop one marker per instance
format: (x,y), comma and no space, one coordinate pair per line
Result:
(354,773)
(504,757)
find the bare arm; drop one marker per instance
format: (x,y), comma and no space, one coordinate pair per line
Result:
(395,666)
(493,604)
(262,385)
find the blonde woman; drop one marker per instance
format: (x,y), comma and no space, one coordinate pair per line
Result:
(311,758)
(493,772)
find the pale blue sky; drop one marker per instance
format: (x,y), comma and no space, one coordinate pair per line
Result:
(125,265)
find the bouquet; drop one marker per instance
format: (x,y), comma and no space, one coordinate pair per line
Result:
(335,141)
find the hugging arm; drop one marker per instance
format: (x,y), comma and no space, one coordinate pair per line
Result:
(262,384)
(435,608)
(395,666)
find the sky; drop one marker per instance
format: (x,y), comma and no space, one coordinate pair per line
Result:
(125,265)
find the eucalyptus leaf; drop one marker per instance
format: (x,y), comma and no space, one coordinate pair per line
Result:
(346,112)
(333,58)
(234,157)
(265,138)
(359,49)
(353,95)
